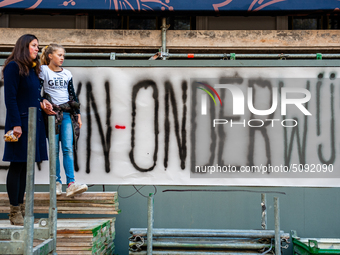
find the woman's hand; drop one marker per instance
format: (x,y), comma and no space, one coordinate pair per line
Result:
(47,107)
(79,121)
(17,131)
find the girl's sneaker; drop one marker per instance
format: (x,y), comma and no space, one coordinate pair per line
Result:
(59,188)
(75,188)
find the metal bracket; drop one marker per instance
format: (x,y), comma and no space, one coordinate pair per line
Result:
(113,56)
(232,56)
(17,235)
(166,27)
(136,243)
(319,56)
(282,56)
(43,223)
(164,54)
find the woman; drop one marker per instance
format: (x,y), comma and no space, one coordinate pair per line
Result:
(22,90)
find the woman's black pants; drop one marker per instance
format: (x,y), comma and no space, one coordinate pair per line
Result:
(16,182)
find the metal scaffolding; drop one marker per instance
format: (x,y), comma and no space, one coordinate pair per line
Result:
(167,56)
(208,241)
(21,238)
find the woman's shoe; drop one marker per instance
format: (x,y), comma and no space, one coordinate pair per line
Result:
(15,216)
(22,209)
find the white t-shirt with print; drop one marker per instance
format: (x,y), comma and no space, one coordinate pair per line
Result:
(56,84)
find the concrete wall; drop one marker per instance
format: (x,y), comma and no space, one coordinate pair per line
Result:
(183,40)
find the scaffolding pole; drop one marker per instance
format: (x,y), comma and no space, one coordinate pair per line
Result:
(150,224)
(52,212)
(29,216)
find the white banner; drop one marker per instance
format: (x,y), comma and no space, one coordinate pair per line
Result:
(205,126)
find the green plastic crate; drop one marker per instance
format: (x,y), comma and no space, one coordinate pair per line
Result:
(306,246)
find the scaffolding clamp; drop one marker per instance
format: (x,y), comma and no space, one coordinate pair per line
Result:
(113,56)
(319,56)
(283,56)
(164,54)
(166,27)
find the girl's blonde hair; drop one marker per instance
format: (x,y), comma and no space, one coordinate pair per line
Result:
(45,60)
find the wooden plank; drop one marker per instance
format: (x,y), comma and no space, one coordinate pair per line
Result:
(74,238)
(69,236)
(86,203)
(82,212)
(74,252)
(83,196)
(74,231)
(73,249)
(86,219)
(66,208)
(82,224)
(69,211)
(74,244)
(70,203)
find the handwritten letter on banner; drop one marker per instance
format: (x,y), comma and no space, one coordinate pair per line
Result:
(205,126)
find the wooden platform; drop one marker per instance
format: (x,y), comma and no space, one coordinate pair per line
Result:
(86,203)
(81,236)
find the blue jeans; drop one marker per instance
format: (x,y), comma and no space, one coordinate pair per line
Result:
(66,138)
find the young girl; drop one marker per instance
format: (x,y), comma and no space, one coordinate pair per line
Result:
(58,89)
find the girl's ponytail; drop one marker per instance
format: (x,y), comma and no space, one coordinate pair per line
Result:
(47,50)
(44,56)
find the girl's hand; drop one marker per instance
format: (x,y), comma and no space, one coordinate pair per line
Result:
(79,121)
(47,107)
(17,131)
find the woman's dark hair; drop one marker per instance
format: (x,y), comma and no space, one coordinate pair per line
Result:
(21,55)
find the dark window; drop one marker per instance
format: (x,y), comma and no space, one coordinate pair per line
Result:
(147,23)
(314,22)
(108,21)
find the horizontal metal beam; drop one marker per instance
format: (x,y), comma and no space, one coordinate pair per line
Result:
(199,63)
(208,233)
(39,232)
(198,55)
(199,252)
(218,245)
(9,247)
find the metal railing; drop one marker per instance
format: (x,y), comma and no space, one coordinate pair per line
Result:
(167,55)
(21,238)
